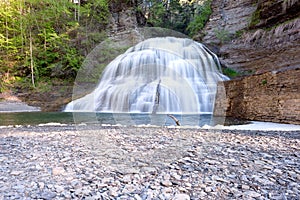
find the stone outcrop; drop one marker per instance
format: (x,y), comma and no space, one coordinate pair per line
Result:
(228,17)
(123,20)
(264,50)
(269,13)
(124,16)
(255,37)
(271,96)
(48,101)
(260,39)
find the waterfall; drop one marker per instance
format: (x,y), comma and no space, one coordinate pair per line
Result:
(158,75)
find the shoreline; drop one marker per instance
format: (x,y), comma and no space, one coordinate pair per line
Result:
(251,126)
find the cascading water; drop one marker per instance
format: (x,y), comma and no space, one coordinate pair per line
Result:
(158,75)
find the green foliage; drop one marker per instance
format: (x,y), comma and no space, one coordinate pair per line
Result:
(95,14)
(2,40)
(231,73)
(202,16)
(157,14)
(89,40)
(264,82)
(188,17)
(255,18)
(239,33)
(222,35)
(58,38)
(72,60)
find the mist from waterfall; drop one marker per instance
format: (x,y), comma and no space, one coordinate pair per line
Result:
(158,75)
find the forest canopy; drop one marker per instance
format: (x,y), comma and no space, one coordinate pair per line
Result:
(49,39)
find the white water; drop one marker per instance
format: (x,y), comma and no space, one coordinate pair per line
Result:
(159,75)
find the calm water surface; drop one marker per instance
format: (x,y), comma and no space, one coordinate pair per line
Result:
(34,118)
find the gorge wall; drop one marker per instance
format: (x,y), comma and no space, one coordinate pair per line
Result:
(271,96)
(255,37)
(260,39)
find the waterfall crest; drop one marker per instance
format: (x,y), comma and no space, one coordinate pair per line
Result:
(158,75)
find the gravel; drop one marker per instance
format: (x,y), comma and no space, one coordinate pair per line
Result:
(69,162)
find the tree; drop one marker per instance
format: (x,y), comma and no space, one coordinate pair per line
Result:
(41,39)
(200,18)
(187,17)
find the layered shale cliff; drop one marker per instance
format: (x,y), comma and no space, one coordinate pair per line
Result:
(255,37)
(271,96)
(260,39)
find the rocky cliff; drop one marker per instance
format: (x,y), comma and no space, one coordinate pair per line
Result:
(255,36)
(124,16)
(260,39)
(271,96)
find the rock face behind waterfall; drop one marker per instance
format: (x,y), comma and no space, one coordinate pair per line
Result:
(255,36)
(260,39)
(164,75)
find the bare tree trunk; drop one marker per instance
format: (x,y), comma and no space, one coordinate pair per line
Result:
(78,10)
(6,31)
(22,34)
(31,59)
(75,13)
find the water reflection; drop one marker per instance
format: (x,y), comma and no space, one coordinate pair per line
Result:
(34,118)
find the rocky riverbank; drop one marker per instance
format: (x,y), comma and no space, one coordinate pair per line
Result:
(24,100)
(68,162)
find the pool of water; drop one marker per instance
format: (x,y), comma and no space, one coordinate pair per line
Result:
(35,118)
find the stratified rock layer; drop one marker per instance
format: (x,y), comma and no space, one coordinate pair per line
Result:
(271,96)
(228,16)
(264,36)
(260,39)
(262,50)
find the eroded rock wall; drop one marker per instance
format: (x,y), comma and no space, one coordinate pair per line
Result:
(261,50)
(260,39)
(255,36)
(124,16)
(271,96)
(228,17)
(270,12)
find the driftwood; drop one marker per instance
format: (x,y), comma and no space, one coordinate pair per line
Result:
(175,119)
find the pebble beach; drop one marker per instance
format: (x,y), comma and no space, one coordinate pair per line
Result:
(73,162)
